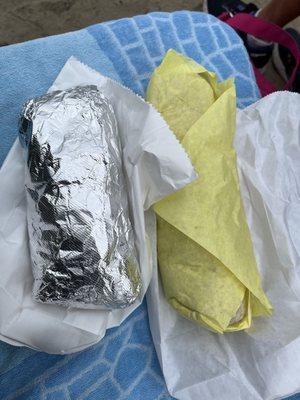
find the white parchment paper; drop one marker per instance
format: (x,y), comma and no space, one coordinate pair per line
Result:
(262,363)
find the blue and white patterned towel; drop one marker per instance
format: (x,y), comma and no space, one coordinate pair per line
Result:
(123,365)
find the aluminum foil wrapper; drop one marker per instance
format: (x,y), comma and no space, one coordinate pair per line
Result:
(81,238)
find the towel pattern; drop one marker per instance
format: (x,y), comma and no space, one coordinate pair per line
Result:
(137,45)
(123,366)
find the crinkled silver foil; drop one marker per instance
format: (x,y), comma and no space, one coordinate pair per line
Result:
(81,238)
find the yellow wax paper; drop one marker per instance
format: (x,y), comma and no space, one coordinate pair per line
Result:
(205,252)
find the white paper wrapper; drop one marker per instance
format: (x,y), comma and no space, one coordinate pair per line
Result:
(264,362)
(155,164)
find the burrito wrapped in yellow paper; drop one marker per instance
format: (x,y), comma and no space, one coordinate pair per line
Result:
(205,252)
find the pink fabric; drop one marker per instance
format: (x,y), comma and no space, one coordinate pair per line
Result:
(269,32)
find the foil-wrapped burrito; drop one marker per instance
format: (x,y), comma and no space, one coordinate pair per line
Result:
(81,238)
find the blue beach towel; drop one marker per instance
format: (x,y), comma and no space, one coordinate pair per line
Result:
(123,365)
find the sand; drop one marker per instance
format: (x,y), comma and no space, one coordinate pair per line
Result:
(22,20)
